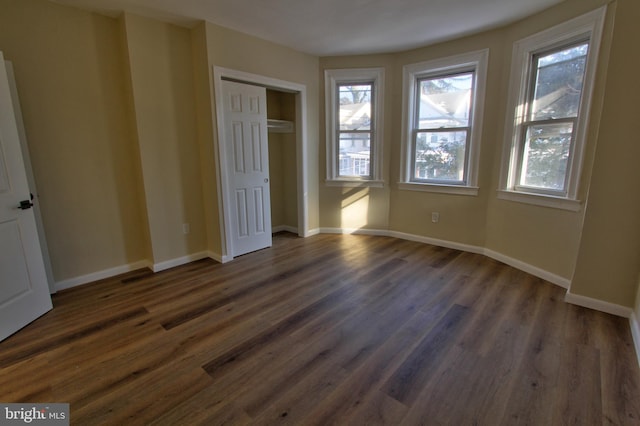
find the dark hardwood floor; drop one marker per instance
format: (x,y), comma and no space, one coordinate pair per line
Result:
(332,329)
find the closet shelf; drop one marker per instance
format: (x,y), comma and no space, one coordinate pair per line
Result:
(279,126)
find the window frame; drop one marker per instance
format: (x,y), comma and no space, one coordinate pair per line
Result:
(585,28)
(475,62)
(333,79)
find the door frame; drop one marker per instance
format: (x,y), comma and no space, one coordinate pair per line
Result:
(224,196)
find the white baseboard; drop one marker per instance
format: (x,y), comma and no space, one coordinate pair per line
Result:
(436,242)
(172,263)
(218,257)
(155,267)
(100,275)
(360,231)
(598,305)
(312,232)
(635,332)
(530,269)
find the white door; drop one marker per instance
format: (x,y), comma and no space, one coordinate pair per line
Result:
(247,156)
(24,293)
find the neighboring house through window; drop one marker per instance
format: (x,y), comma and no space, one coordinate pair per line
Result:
(354,126)
(550,94)
(442,116)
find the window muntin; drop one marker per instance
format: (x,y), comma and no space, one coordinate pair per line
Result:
(548,130)
(354,103)
(441,137)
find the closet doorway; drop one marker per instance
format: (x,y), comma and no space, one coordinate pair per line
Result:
(286,113)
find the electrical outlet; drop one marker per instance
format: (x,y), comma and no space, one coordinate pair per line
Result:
(435,217)
(185,228)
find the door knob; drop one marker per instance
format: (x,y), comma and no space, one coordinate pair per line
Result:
(25,205)
(266,180)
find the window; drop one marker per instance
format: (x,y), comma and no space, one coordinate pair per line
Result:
(551,85)
(354,126)
(442,118)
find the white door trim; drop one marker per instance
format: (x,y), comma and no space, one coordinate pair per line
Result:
(300,91)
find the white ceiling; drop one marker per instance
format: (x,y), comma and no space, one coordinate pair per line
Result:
(335,27)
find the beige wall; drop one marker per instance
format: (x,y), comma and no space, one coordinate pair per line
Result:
(607,265)
(205,131)
(161,73)
(70,78)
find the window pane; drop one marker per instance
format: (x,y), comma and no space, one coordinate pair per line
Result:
(546,155)
(445,101)
(355,106)
(558,83)
(440,156)
(355,154)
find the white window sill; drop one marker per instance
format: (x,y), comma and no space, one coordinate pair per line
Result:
(354,183)
(439,188)
(541,200)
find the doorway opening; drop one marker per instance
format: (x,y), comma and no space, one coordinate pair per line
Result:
(281,118)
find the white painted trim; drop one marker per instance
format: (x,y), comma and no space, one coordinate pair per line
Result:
(356,231)
(478,62)
(172,263)
(635,332)
(218,257)
(220,73)
(302,164)
(402,236)
(530,269)
(540,200)
(590,25)
(598,305)
(436,242)
(354,183)
(332,78)
(312,232)
(439,188)
(112,272)
(100,275)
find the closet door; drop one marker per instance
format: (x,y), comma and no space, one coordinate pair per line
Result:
(247,157)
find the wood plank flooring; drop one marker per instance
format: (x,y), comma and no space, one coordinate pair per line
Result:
(331,329)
